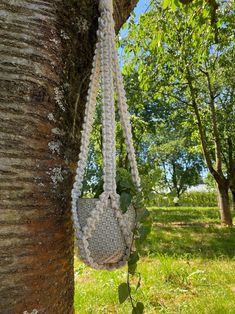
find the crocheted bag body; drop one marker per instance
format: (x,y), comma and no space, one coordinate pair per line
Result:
(104,234)
(106,242)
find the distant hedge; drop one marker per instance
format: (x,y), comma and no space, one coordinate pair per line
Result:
(207,199)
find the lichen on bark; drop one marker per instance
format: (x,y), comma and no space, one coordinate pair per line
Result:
(46,50)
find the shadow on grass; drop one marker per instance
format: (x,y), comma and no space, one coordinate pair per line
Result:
(193,232)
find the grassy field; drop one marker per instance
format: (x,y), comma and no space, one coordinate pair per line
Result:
(188,266)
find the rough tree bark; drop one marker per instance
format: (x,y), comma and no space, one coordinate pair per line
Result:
(232,171)
(46,51)
(232,190)
(233,199)
(223,201)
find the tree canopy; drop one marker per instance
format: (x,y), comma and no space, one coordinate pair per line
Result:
(181,58)
(178,68)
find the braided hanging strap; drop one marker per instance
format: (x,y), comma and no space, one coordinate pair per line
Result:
(86,134)
(108,113)
(124,116)
(104,234)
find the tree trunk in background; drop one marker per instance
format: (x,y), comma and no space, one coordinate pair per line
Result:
(223,200)
(46,51)
(233,199)
(232,186)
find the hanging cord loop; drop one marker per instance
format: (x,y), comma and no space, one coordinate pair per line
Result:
(125,117)
(105,65)
(106,5)
(108,112)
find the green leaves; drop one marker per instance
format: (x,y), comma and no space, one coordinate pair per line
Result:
(133,258)
(127,191)
(166,4)
(138,309)
(170,4)
(125,201)
(142,215)
(124,181)
(123,292)
(125,188)
(143,232)
(132,263)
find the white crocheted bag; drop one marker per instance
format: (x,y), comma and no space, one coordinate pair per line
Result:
(107,244)
(105,234)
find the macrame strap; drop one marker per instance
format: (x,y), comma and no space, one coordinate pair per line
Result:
(106,62)
(108,109)
(86,129)
(105,56)
(124,116)
(109,57)
(106,5)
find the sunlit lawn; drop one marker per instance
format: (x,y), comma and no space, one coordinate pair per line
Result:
(188,267)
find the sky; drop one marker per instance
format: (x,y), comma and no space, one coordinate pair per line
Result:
(139,9)
(141,6)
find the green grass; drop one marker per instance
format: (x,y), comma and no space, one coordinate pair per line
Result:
(188,267)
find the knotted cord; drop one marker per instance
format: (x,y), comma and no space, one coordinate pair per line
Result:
(105,65)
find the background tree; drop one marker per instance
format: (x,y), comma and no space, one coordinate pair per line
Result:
(181,167)
(180,62)
(45,62)
(167,158)
(164,136)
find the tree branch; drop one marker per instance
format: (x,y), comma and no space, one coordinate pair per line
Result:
(176,97)
(201,129)
(218,155)
(122,10)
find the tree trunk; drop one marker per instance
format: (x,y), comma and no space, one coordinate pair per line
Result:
(222,182)
(233,199)
(223,202)
(46,51)
(232,182)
